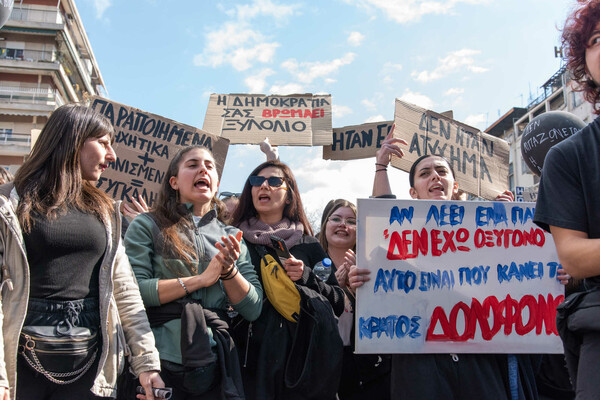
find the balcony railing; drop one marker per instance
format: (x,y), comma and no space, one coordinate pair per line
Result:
(15,139)
(30,96)
(34,14)
(27,55)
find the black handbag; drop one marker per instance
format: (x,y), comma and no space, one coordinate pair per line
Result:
(61,357)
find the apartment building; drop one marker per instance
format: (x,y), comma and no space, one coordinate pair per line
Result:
(557,95)
(46,60)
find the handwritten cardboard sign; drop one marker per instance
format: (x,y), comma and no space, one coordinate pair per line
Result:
(145,144)
(294,120)
(479,160)
(357,141)
(455,277)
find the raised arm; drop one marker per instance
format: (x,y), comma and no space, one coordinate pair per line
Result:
(381,182)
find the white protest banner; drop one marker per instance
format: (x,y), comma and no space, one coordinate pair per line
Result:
(455,277)
(479,160)
(293,120)
(145,144)
(357,141)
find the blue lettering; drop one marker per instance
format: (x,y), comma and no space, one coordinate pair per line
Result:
(397,215)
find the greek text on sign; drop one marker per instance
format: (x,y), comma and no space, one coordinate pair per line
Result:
(479,160)
(294,120)
(358,141)
(455,277)
(144,144)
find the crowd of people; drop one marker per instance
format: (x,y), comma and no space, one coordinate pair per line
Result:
(183,295)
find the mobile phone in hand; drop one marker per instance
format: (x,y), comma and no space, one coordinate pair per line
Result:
(280,248)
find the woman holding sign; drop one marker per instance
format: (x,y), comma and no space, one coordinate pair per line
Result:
(448,376)
(194,272)
(70,303)
(276,363)
(567,206)
(363,375)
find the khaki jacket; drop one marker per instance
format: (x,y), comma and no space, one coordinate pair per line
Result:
(125,327)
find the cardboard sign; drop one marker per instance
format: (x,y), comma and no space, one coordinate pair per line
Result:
(145,144)
(455,277)
(294,120)
(480,161)
(357,141)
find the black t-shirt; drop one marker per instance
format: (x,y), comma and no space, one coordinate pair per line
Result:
(569,192)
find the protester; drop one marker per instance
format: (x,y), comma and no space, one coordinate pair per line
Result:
(270,204)
(363,375)
(231,201)
(567,206)
(64,271)
(191,269)
(451,376)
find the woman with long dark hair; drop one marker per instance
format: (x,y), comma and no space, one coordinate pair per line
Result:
(193,271)
(270,205)
(65,272)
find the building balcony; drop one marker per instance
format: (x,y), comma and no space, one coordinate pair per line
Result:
(26,101)
(27,55)
(15,144)
(26,13)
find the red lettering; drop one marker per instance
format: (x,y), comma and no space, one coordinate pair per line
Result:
(449,245)
(438,316)
(435,240)
(479,238)
(396,242)
(276,113)
(460,306)
(507,313)
(462,235)
(420,242)
(266,113)
(517,239)
(529,302)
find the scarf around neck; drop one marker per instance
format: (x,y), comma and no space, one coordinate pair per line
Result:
(257,232)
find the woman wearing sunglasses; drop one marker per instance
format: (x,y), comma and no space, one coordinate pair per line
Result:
(364,376)
(270,205)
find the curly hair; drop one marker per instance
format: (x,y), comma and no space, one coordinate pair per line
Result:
(575,36)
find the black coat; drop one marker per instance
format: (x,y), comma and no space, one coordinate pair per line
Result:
(280,359)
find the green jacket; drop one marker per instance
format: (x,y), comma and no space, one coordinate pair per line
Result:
(149,267)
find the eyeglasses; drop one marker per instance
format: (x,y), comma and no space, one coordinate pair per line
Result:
(273,181)
(229,194)
(338,220)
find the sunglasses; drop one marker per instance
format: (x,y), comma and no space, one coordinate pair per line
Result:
(273,181)
(338,220)
(229,194)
